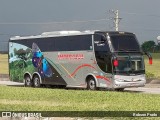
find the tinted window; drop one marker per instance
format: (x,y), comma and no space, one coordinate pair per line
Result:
(125,43)
(65,43)
(73,43)
(100,43)
(104,63)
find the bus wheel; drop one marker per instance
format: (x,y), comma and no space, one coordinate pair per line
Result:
(91,84)
(36,81)
(27,81)
(119,89)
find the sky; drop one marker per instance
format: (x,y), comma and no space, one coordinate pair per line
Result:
(33,17)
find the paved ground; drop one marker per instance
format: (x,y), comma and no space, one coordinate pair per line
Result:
(153,87)
(143,90)
(7,82)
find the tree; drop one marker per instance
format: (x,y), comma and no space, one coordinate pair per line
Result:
(148,46)
(21,54)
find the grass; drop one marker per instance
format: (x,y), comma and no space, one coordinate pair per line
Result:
(41,99)
(4,64)
(154,69)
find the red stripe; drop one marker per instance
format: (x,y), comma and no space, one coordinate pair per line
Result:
(84,65)
(104,78)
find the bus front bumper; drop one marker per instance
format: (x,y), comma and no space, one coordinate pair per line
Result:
(129,81)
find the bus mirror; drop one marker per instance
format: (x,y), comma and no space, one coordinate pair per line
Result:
(149,57)
(100,43)
(100,40)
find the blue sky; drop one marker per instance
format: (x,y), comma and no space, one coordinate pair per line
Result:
(32,17)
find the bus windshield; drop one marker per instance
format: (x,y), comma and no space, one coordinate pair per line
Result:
(129,65)
(124,43)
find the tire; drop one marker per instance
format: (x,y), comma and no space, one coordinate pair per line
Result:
(27,81)
(91,84)
(36,82)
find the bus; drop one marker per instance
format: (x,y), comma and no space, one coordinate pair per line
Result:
(78,59)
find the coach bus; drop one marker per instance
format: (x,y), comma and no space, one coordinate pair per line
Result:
(88,59)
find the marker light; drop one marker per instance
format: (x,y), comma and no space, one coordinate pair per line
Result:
(150,57)
(115,62)
(150,61)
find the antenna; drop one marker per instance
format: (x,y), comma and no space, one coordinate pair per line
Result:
(116,19)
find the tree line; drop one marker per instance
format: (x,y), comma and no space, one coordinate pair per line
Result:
(150,46)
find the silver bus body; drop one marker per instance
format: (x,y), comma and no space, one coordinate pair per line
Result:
(76,59)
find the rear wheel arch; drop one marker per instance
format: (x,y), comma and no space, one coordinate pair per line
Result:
(27,74)
(93,76)
(37,74)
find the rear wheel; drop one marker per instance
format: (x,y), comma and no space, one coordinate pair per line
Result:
(91,84)
(27,81)
(36,81)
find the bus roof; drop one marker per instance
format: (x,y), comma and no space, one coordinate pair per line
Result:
(67,33)
(113,32)
(55,34)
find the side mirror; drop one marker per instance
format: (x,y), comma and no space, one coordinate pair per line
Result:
(100,43)
(150,57)
(100,40)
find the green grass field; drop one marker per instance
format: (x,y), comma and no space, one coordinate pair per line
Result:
(3,64)
(153,70)
(41,99)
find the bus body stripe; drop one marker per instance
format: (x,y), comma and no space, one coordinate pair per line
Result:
(104,78)
(66,71)
(79,67)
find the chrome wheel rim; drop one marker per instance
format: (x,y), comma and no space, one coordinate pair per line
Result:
(92,84)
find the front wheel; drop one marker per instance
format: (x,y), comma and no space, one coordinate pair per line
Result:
(91,84)
(36,81)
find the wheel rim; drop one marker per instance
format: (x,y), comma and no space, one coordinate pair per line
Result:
(36,81)
(92,84)
(28,81)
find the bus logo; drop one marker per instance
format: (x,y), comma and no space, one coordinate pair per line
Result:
(70,56)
